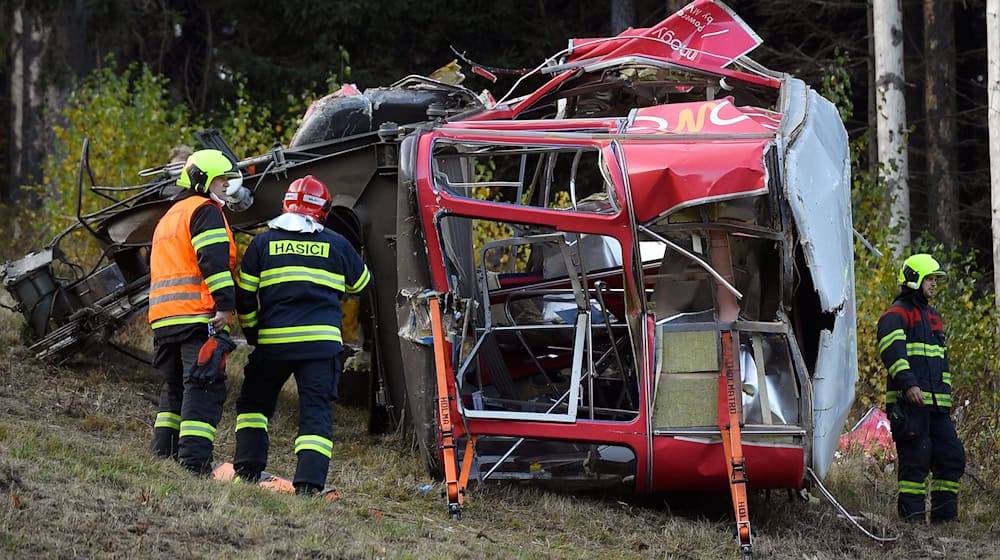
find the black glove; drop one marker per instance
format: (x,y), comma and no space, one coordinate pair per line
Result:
(251,335)
(211,364)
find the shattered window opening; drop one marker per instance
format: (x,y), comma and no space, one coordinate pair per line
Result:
(548,340)
(570,463)
(572,178)
(686,310)
(613,88)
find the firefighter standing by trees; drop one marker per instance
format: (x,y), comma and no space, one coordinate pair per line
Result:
(911,341)
(288,300)
(191,291)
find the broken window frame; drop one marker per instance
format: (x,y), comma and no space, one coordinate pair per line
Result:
(594,75)
(547,152)
(752,329)
(583,295)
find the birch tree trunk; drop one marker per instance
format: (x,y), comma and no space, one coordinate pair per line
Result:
(939,107)
(48,48)
(887,17)
(29,36)
(872,94)
(993,118)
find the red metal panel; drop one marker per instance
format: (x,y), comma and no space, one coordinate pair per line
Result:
(631,434)
(664,179)
(702,32)
(720,116)
(703,36)
(683,464)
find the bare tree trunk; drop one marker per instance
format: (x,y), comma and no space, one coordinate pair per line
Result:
(6,187)
(29,37)
(993,118)
(74,24)
(872,94)
(206,71)
(939,106)
(887,17)
(674,6)
(622,15)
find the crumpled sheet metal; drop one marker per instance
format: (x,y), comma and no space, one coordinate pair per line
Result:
(417,327)
(817,183)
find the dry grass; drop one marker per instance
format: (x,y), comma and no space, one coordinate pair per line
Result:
(76,480)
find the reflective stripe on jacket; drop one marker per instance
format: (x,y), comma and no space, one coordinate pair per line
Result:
(289,289)
(179,291)
(911,342)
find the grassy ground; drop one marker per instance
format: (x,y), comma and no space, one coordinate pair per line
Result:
(76,480)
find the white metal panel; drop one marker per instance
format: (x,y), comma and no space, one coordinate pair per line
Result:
(817,183)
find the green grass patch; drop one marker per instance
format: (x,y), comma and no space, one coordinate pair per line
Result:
(89,487)
(260,501)
(167,489)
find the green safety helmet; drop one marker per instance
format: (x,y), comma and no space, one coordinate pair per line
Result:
(918,267)
(202,167)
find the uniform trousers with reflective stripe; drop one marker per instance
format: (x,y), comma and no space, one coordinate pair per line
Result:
(185,406)
(931,446)
(263,378)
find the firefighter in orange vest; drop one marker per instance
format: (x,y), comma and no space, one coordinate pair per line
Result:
(290,284)
(192,293)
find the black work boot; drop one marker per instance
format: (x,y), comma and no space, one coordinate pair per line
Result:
(247,477)
(911,508)
(165,443)
(306,489)
(944,507)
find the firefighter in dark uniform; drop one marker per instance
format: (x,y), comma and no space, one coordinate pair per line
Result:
(911,341)
(288,300)
(192,262)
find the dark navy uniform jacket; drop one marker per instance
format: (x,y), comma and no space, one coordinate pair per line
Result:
(289,289)
(911,341)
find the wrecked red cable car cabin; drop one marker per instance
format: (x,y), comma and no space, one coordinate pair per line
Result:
(639,274)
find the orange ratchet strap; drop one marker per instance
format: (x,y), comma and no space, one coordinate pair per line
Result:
(729,424)
(454,482)
(731,396)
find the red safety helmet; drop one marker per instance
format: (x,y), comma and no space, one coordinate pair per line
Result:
(308,196)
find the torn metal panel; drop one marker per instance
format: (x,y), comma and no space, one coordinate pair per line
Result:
(416,326)
(686,175)
(683,36)
(833,387)
(817,183)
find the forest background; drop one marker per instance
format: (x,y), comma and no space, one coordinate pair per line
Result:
(137,77)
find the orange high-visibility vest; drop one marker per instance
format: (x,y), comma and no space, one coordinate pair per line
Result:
(178,293)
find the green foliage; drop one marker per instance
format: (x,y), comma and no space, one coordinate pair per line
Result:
(132,124)
(837,85)
(484,231)
(969,313)
(251,128)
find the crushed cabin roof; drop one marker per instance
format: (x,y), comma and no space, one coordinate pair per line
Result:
(678,44)
(716,150)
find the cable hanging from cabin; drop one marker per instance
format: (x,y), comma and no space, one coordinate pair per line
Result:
(491,69)
(843,511)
